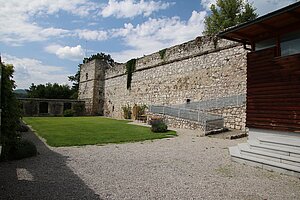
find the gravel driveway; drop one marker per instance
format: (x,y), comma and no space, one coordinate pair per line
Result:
(184,167)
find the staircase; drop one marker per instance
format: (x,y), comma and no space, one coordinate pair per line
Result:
(274,153)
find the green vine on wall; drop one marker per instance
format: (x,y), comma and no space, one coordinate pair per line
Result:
(162,53)
(130,68)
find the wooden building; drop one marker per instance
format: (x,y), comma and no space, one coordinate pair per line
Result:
(273,90)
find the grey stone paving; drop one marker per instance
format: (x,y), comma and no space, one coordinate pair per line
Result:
(46,176)
(184,167)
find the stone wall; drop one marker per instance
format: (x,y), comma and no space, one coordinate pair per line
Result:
(206,76)
(198,70)
(47,107)
(234,117)
(91,86)
(174,122)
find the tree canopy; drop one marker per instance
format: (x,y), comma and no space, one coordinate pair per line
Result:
(101,56)
(227,13)
(10,112)
(50,91)
(75,80)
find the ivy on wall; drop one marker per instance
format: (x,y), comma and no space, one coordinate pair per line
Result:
(162,53)
(130,68)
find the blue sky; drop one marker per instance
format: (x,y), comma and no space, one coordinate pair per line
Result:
(46,40)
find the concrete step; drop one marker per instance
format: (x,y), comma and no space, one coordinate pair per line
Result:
(263,163)
(277,149)
(280,141)
(246,150)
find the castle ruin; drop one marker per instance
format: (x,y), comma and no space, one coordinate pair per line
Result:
(200,70)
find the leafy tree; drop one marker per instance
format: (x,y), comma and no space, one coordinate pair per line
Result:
(75,80)
(50,91)
(227,13)
(10,112)
(101,56)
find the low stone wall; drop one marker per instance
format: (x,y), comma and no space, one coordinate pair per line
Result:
(175,122)
(32,107)
(234,117)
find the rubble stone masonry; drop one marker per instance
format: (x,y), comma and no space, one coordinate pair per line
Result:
(201,69)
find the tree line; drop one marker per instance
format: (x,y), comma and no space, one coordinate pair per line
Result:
(57,91)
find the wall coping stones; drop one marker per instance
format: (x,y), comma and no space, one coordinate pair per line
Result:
(50,100)
(141,66)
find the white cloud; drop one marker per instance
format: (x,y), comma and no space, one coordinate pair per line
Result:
(91,34)
(206,4)
(265,6)
(132,8)
(17,24)
(28,70)
(156,34)
(66,52)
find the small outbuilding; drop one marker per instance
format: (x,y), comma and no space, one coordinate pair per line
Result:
(273,90)
(50,107)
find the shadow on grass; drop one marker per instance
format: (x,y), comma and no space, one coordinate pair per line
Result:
(45,176)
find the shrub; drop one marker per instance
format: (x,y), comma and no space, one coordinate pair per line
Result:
(69,113)
(24,149)
(127,112)
(162,53)
(22,128)
(79,109)
(158,126)
(138,112)
(142,110)
(10,112)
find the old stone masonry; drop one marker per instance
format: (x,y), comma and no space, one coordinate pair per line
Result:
(196,81)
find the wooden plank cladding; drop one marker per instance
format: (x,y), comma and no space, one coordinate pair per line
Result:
(273,91)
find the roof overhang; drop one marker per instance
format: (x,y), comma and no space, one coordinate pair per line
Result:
(270,25)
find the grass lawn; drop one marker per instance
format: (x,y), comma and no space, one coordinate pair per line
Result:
(76,131)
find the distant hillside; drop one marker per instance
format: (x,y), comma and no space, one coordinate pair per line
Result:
(21,93)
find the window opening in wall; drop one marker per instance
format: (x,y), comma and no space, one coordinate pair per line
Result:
(67,106)
(265,44)
(86,76)
(188,101)
(43,107)
(290,44)
(113,108)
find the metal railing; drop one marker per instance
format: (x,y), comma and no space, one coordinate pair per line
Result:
(208,121)
(197,111)
(236,100)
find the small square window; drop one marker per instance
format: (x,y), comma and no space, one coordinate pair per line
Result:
(290,44)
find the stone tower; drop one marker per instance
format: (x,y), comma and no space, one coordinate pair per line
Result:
(91,86)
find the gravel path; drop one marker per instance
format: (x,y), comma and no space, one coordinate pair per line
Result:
(184,167)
